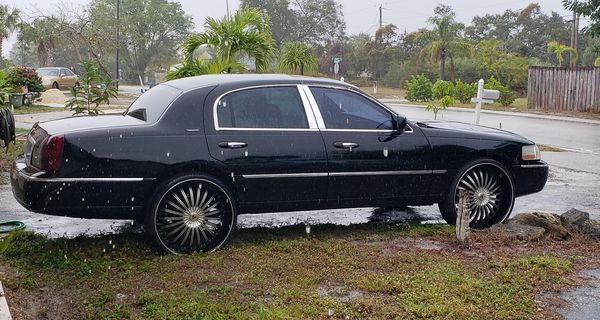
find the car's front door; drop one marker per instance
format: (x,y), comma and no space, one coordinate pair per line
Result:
(269,139)
(368,159)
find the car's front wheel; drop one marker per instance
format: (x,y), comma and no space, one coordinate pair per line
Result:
(55,85)
(490,194)
(191,213)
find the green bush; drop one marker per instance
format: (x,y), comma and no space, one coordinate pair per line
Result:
(463,92)
(19,77)
(507,97)
(441,89)
(418,88)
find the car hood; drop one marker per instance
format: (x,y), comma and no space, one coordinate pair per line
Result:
(89,122)
(455,129)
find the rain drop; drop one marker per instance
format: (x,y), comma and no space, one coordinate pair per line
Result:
(82,199)
(120,136)
(385,152)
(132,199)
(94,150)
(246,153)
(168,154)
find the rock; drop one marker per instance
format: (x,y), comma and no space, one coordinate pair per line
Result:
(579,221)
(550,222)
(518,231)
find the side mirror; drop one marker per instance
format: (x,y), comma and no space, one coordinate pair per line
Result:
(399,123)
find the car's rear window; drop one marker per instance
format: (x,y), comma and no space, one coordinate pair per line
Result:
(153,103)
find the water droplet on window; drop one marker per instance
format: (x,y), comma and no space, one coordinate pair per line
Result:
(168,154)
(120,136)
(94,150)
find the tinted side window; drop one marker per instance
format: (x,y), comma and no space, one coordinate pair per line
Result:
(269,107)
(343,109)
(63,72)
(69,72)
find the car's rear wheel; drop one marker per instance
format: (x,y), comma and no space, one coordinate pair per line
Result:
(55,85)
(192,213)
(490,194)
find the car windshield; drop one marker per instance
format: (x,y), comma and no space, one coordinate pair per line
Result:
(47,72)
(152,103)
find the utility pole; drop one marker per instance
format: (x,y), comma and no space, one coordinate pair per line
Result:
(380,16)
(118,43)
(574,37)
(227,3)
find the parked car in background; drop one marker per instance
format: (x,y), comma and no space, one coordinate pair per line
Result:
(57,77)
(190,155)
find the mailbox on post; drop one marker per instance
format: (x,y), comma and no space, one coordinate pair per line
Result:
(483,96)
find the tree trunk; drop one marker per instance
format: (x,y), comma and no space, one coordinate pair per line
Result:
(301,68)
(443,65)
(452,69)
(1,43)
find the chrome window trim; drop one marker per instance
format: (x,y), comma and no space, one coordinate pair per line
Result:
(321,122)
(312,126)
(340,174)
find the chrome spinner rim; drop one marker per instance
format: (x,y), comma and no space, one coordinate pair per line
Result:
(489,194)
(194,215)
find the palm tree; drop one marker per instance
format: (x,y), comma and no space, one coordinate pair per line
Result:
(446,42)
(43,33)
(296,57)
(558,49)
(247,32)
(9,20)
(196,67)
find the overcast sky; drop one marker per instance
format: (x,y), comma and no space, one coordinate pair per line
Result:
(360,15)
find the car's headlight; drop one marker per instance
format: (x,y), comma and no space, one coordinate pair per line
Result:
(531,152)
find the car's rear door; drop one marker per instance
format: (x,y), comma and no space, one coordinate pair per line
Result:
(368,160)
(268,137)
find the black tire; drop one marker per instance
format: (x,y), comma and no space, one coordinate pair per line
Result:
(55,85)
(204,222)
(77,85)
(491,192)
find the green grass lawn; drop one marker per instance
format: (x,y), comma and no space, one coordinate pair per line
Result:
(36,108)
(359,272)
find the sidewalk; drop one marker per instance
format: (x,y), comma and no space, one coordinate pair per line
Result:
(401,103)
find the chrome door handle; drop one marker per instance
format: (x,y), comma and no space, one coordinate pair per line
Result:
(345,145)
(232,145)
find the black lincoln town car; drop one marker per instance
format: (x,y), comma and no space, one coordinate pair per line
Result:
(189,155)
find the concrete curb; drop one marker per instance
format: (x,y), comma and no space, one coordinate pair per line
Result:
(505,113)
(4,311)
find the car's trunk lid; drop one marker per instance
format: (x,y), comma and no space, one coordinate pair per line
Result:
(89,122)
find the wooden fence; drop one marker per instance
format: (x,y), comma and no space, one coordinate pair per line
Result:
(562,89)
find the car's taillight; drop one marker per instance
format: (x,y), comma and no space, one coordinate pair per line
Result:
(52,153)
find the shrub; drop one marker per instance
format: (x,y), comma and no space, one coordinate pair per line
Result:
(507,97)
(418,88)
(441,89)
(463,92)
(442,104)
(19,77)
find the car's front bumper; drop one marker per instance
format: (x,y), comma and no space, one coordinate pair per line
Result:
(530,178)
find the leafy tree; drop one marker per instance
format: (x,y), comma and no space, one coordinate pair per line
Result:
(94,90)
(418,88)
(558,49)
(296,57)
(9,20)
(525,31)
(597,62)
(43,33)
(319,22)
(382,50)
(282,18)
(509,68)
(356,54)
(447,42)
(587,8)
(150,31)
(247,32)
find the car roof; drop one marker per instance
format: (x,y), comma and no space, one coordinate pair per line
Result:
(190,83)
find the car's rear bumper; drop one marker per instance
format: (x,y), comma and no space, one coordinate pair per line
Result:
(79,197)
(530,178)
